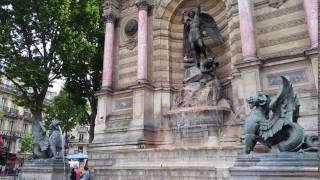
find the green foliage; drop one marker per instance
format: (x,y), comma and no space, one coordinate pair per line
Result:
(29,43)
(26,143)
(82,50)
(64,109)
(82,53)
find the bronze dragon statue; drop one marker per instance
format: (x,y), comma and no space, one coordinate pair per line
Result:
(45,146)
(275,122)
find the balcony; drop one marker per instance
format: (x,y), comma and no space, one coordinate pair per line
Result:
(27,115)
(8,88)
(82,129)
(9,111)
(8,133)
(78,142)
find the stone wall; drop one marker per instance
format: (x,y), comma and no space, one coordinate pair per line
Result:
(282,39)
(130,116)
(181,163)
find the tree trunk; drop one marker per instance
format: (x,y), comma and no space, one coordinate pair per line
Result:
(92,119)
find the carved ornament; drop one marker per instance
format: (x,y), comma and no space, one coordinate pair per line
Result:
(276,3)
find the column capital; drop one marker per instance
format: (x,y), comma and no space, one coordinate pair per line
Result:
(143,5)
(110,17)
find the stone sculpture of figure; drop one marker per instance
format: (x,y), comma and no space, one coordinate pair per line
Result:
(39,139)
(55,139)
(282,128)
(193,44)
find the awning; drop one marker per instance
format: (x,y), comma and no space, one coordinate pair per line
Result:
(77,156)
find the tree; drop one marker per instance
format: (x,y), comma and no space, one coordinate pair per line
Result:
(64,109)
(29,43)
(82,54)
(26,143)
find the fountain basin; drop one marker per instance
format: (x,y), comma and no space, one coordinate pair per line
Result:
(199,125)
(196,116)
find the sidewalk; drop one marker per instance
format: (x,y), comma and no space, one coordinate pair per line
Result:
(6,177)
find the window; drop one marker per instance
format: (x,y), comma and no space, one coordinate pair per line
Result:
(80,149)
(5,142)
(80,137)
(14,108)
(4,102)
(24,129)
(11,123)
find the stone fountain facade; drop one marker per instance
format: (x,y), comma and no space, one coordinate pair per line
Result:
(152,125)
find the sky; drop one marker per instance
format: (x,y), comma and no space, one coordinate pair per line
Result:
(57,85)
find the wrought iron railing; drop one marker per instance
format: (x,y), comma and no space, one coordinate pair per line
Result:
(8,88)
(8,133)
(82,129)
(11,111)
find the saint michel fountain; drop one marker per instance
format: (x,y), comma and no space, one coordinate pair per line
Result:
(177,75)
(211,89)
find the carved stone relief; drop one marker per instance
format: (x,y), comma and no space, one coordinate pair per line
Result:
(131,27)
(276,3)
(125,4)
(296,76)
(121,104)
(128,33)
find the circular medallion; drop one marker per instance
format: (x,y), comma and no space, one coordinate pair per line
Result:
(131,27)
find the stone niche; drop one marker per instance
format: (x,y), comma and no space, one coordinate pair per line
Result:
(217,9)
(200,113)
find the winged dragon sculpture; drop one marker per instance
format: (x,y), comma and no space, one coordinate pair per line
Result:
(45,146)
(194,48)
(280,126)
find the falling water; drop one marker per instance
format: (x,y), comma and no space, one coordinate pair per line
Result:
(63,151)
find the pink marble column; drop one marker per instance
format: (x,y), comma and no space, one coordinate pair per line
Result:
(247,31)
(108,53)
(311,11)
(143,41)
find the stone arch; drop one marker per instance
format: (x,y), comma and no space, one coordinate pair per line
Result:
(166,15)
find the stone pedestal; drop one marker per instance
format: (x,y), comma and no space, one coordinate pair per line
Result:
(276,166)
(48,169)
(104,111)
(313,54)
(125,120)
(250,72)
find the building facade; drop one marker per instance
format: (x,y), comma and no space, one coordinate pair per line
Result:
(78,140)
(15,121)
(143,70)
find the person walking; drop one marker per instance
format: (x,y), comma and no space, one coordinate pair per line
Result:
(75,173)
(85,175)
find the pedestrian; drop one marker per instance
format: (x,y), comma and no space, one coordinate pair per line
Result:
(73,174)
(85,175)
(77,171)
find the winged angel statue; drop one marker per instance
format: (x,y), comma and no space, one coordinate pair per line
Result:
(194,48)
(282,128)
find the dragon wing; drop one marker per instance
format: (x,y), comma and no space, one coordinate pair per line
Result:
(208,24)
(285,108)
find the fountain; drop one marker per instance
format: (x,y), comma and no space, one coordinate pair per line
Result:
(200,111)
(52,167)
